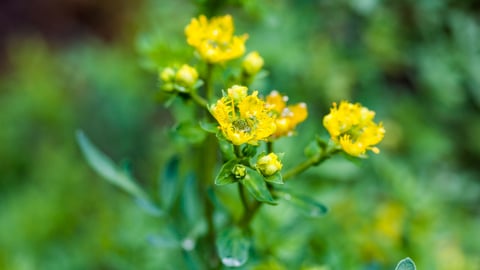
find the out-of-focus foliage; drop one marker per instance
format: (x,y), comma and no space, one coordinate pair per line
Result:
(416,63)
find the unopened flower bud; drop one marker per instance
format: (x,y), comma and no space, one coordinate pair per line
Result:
(252,63)
(269,164)
(239,171)
(167,74)
(187,76)
(237,92)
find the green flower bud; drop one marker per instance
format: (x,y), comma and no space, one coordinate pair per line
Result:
(186,76)
(239,171)
(252,63)
(269,164)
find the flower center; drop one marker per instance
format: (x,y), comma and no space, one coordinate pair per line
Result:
(242,125)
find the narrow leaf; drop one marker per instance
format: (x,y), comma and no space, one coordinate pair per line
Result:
(255,184)
(169,182)
(191,205)
(406,264)
(233,247)
(305,205)
(104,166)
(167,239)
(149,207)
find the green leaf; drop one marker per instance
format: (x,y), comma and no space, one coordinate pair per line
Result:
(305,205)
(149,207)
(189,132)
(198,84)
(104,166)
(275,178)
(232,246)
(169,182)
(209,127)
(406,264)
(225,175)
(167,239)
(255,184)
(322,143)
(225,147)
(312,149)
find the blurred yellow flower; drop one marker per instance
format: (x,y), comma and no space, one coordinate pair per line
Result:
(214,39)
(187,76)
(269,164)
(243,118)
(351,126)
(252,63)
(167,74)
(182,79)
(286,118)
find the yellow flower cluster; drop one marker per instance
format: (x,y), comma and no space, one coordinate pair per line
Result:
(182,79)
(214,39)
(286,117)
(243,118)
(352,127)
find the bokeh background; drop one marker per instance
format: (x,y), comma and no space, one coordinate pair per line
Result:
(92,65)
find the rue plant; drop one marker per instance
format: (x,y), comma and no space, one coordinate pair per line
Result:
(233,131)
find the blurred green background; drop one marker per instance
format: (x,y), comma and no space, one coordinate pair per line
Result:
(91,65)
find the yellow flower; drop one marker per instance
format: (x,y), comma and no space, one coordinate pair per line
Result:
(214,39)
(287,118)
(269,164)
(252,63)
(243,118)
(352,127)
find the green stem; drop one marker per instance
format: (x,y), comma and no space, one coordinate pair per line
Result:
(269,147)
(248,215)
(243,198)
(238,151)
(207,165)
(199,100)
(208,82)
(312,161)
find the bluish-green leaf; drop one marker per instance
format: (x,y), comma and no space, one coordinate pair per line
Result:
(225,175)
(191,204)
(169,182)
(167,239)
(406,264)
(255,184)
(104,166)
(232,246)
(149,207)
(305,205)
